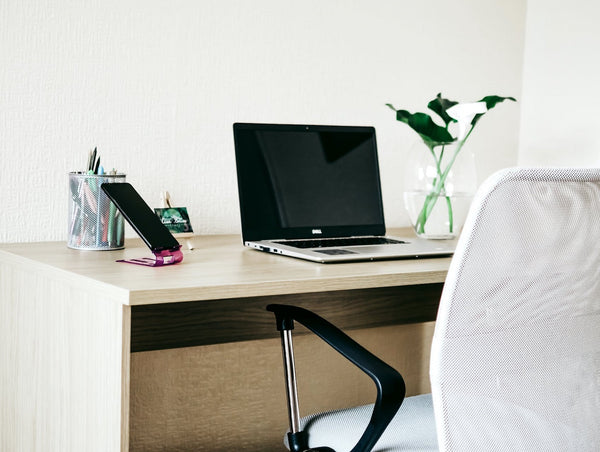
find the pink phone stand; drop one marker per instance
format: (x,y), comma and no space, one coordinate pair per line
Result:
(164,257)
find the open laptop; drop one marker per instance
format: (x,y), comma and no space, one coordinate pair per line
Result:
(313,192)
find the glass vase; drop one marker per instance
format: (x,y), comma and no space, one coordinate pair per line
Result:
(439,185)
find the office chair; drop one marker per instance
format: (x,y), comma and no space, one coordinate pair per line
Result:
(515,359)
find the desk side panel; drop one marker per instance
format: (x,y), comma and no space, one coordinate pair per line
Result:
(64,365)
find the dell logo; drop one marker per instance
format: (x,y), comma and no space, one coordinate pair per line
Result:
(317,231)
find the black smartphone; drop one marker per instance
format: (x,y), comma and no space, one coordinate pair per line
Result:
(140,216)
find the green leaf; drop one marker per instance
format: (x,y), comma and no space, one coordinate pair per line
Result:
(403,115)
(490,102)
(440,105)
(431,133)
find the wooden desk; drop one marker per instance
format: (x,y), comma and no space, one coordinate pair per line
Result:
(70,320)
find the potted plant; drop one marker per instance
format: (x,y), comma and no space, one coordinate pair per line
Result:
(432,201)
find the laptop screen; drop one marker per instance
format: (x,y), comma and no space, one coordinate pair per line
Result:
(298,181)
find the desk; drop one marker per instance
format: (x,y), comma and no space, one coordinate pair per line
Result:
(71,321)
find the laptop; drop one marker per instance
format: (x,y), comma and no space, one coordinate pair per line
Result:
(313,192)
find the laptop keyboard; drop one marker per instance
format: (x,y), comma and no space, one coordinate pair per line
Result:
(351,241)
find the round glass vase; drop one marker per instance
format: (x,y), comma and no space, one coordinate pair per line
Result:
(439,185)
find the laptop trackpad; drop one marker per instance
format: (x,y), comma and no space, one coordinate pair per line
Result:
(334,251)
(373,249)
(353,250)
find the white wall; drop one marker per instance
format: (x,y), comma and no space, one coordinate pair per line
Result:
(560,109)
(156,85)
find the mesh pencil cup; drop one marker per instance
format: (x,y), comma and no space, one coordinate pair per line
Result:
(94,221)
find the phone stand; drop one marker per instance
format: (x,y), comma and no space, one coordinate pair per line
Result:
(164,257)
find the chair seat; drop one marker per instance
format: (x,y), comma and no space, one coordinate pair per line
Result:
(412,429)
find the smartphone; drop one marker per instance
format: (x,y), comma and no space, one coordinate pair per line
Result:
(140,216)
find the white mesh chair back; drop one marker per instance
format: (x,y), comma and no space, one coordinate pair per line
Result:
(516,352)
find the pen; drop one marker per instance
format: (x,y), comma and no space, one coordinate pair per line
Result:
(74,218)
(99,233)
(119,222)
(89,197)
(111,223)
(92,159)
(112,212)
(105,227)
(89,162)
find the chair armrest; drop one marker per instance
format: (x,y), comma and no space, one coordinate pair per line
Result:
(390,384)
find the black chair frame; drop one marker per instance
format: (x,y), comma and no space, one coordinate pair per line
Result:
(390,385)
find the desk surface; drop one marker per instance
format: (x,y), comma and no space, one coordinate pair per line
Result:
(220,267)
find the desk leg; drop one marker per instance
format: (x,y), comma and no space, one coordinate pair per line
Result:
(64,365)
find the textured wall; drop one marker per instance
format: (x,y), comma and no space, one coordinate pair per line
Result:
(560,115)
(156,85)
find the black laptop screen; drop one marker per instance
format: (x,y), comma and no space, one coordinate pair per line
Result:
(302,181)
